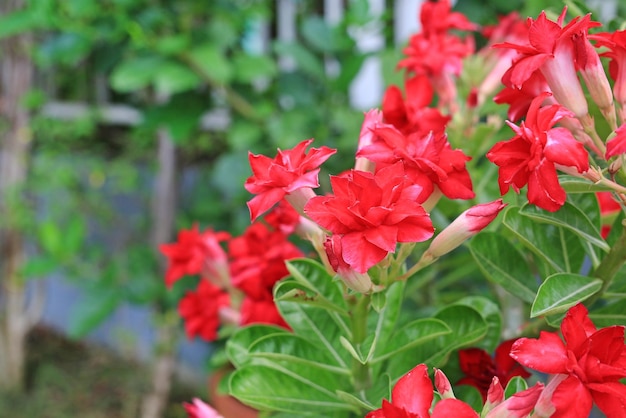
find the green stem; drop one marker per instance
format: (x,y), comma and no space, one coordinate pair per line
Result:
(611,264)
(360,371)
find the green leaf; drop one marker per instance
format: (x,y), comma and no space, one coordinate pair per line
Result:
(252,67)
(573,184)
(557,247)
(569,217)
(270,387)
(172,78)
(561,291)
(490,312)
(212,63)
(50,238)
(410,336)
(313,275)
(134,74)
(503,264)
(323,37)
(304,59)
(237,346)
(516,384)
(609,315)
(382,322)
(38,267)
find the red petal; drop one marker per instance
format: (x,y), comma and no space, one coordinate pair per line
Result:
(576,328)
(546,354)
(359,253)
(571,399)
(544,189)
(447,408)
(562,148)
(610,398)
(414,391)
(617,145)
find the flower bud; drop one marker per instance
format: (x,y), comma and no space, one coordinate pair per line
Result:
(495,395)
(443,385)
(359,282)
(519,405)
(468,224)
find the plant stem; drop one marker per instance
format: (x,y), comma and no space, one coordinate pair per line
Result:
(360,371)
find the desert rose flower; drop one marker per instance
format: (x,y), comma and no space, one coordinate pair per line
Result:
(262,311)
(428,160)
(359,282)
(617,144)
(553,50)
(200,310)
(588,365)
(480,368)
(465,226)
(199,409)
(372,213)
(615,42)
(532,156)
(291,174)
(372,119)
(196,252)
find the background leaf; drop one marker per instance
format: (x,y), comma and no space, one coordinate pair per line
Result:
(561,291)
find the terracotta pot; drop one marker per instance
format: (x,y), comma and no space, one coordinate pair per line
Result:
(226,405)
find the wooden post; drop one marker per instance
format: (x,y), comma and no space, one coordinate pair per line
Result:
(16,73)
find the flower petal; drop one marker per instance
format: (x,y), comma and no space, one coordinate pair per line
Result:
(546,354)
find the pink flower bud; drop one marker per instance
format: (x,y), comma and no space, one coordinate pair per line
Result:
(366,137)
(443,385)
(495,394)
(519,405)
(199,409)
(359,282)
(468,224)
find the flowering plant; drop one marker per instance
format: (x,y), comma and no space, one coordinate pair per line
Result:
(393,292)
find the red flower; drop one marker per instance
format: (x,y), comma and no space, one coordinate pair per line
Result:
(608,207)
(262,311)
(428,161)
(258,260)
(480,368)
(289,171)
(195,253)
(412,397)
(200,310)
(437,17)
(520,98)
(616,44)
(557,52)
(617,144)
(532,155)
(413,115)
(283,218)
(589,366)
(372,213)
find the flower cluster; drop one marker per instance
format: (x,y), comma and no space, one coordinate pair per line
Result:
(389,217)
(236,279)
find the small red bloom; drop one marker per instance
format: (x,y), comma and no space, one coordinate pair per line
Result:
(428,161)
(480,368)
(290,170)
(520,98)
(372,213)
(617,144)
(437,17)
(283,218)
(200,310)
(258,260)
(413,114)
(532,155)
(261,311)
(589,365)
(195,253)
(616,44)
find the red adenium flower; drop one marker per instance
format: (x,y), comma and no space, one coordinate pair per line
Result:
(413,115)
(617,144)
(480,368)
(261,311)
(288,172)
(616,44)
(588,364)
(258,260)
(520,98)
(437,17)
(608,206)
(557,52)
(195,253)
(372,213)
(283,218)
(200,310)
(412,397)
(532,156)
(428,160)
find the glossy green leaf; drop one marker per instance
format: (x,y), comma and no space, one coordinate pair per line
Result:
(573,184)
(409,336)
(558,247)
(467,328)
(210,62)
(561,291)
(611,314)
(237,346)
(252,67)
(569,217)
(490,312)
(503,264)
(93,309)
(172,78)
(135,74)
(516,384)
(273,388)
(382,323)
(314,276)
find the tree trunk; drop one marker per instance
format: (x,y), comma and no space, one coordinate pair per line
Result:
(163,211)
(16,73)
